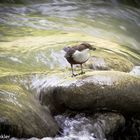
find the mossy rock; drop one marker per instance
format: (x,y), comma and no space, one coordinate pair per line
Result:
(98,90)
(21,115)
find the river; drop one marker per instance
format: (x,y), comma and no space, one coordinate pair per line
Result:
(33,34)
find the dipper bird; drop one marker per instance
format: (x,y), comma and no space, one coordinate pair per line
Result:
(78,54)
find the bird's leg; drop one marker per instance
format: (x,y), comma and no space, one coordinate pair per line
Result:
(82,72)
(72,71)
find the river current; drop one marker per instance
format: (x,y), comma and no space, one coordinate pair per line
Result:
(109,21)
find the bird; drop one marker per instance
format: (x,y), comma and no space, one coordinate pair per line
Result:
(78,54)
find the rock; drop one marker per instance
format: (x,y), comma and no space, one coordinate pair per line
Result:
(131,130)
(98,90)
(106,124)
(21,115)
(109,61)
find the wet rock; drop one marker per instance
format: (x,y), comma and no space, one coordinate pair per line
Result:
(21,115)
(131,130)
(106,124)
(98,90)
(109,61)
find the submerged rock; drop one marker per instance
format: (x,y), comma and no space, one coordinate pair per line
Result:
(98,90)
(21,115)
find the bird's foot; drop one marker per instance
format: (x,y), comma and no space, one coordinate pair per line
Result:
(74,75)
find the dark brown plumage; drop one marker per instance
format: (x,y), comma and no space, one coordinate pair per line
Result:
(77,55)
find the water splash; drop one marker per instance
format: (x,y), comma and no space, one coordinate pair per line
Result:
(135,71)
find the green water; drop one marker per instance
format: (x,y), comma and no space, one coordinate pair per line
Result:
(32,36)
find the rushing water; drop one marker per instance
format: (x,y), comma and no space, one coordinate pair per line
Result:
(27,45)
(114,23)
(102,19)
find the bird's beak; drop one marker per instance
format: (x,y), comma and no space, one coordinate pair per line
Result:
(93,48)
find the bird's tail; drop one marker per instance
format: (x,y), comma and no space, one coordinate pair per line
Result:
(66,49)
